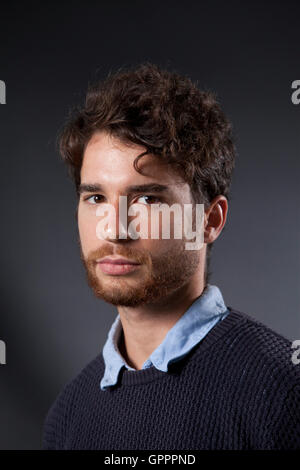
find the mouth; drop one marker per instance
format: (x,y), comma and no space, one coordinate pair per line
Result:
(118,260)
(117,266)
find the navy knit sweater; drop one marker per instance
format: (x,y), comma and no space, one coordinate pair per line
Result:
(236,389)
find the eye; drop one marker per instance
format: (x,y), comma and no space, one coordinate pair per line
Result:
(95,199)
(151,199)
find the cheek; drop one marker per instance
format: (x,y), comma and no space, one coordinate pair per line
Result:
(87,222)
(157,226)
(163,224)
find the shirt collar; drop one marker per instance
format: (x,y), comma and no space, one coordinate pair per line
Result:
(191,327)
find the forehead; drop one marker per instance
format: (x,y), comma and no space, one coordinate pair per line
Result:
(110,161)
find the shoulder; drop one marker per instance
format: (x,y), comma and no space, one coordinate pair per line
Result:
(61,412)
(259,345)
(252,335)
(267,379)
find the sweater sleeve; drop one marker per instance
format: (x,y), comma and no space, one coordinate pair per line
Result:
(286,432)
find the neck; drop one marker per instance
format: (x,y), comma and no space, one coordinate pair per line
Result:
(145,327)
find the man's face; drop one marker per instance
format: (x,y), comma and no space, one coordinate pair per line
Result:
(164,264)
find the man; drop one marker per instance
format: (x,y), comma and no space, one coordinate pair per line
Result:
(179,370)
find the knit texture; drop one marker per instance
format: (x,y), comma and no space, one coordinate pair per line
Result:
(236,389)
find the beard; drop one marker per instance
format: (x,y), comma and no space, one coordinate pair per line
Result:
(155,279)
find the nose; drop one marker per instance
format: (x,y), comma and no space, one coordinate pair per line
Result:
(114,226)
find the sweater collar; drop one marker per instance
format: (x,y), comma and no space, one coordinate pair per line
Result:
(191,327)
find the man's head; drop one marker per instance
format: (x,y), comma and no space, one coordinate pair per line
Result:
(181,140)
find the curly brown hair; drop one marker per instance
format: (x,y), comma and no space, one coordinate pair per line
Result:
(167,114)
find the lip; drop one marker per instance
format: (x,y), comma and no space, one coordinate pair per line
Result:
(117,266)
(120,261)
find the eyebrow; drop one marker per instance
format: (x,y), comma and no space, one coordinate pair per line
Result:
(140,188)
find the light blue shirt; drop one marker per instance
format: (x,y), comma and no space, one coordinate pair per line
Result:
(208,309)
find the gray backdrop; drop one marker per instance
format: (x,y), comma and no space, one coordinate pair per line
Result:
(248,53)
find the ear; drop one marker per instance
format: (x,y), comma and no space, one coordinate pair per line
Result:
(215,218)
